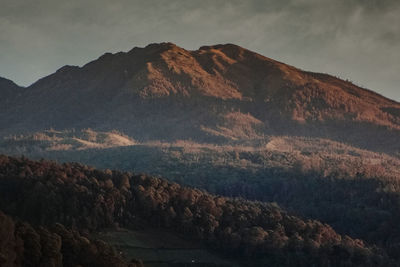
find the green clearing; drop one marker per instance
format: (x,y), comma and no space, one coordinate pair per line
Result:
(158,248)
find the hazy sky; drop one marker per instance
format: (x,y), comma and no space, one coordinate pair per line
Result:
(354,39)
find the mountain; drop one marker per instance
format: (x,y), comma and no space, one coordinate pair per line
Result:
(217,94)
(9,92)
(222,119)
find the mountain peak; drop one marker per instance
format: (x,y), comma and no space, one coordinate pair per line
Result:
(161,45)
(67,68)
(155,48)
(6,83)
(9,92)
(224,47)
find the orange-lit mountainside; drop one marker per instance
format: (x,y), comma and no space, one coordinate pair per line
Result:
(215,94)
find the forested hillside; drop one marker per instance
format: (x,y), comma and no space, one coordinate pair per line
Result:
(44,193)
(353,190)
(24,245)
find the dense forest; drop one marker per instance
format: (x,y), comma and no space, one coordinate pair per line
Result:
(24,245)
(85,200)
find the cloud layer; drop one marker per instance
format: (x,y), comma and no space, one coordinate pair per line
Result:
(354,39)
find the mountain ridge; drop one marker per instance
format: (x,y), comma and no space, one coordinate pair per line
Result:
(9,91)
(228,49)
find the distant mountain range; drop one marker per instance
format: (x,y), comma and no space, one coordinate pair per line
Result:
(217,94)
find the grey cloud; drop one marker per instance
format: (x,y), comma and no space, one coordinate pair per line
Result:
(354,39)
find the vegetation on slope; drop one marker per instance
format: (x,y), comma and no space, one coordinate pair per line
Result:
(64,140)
(44,193)
(24,245)
(353,190)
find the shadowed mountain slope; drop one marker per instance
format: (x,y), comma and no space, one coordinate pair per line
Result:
(8,91)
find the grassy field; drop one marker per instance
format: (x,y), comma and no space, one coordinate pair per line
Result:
(159,248)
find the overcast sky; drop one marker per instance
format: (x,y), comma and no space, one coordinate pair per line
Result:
(354,39)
